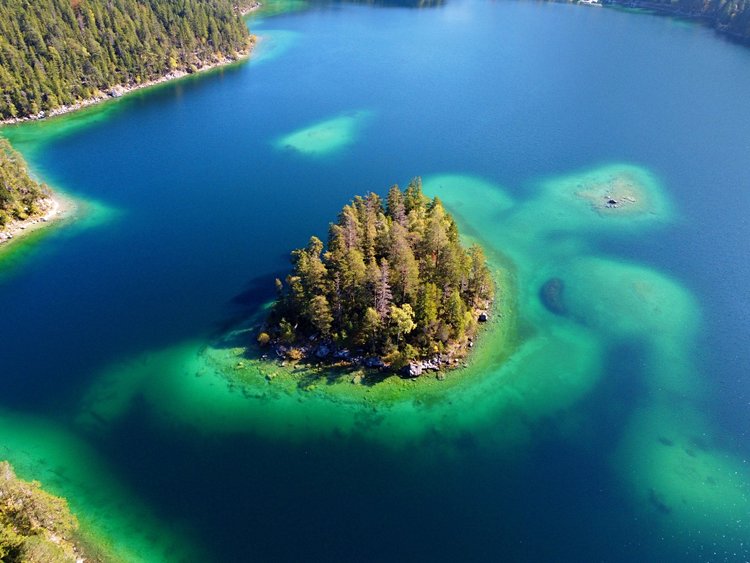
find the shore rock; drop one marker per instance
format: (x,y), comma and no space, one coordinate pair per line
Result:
(342,354)
(374,362)
(411,370)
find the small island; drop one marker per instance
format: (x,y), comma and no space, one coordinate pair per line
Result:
(394,290)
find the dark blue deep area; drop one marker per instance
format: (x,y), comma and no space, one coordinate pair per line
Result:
(207,209)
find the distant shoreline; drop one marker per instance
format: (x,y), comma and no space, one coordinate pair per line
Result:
(55,208)
(709,20)
(120,90)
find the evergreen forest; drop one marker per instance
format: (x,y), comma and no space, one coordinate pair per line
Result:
(394,281)
(19,193)
(58,52)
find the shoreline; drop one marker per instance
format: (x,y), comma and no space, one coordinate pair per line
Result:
(325,353)
(119,90)
(249,9)
(257,371)
(56,208)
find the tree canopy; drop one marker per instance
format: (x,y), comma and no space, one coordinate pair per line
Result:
(19,193)
(57,52)
(393,280)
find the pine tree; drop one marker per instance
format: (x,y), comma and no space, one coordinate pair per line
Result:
(396,207)
(320,315)
(383,296)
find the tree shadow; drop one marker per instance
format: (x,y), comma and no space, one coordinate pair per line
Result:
(239,330)
(315,373)
(249,309)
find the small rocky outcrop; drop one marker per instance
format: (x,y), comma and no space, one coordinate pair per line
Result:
(342,354)
(374,362)
(411,370)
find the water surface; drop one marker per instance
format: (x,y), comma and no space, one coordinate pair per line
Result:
(615,433)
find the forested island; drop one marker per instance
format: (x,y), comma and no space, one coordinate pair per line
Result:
(21,197)
(34,525)
(394,288)
(56,53)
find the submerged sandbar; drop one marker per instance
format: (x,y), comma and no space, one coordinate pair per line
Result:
(617,190)
(325,137)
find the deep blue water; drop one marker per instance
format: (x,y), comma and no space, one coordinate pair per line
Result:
(206,207)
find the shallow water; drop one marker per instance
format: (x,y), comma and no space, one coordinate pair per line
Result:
(615,432)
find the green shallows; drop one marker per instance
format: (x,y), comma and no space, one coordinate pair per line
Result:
(326,137)
(111,517)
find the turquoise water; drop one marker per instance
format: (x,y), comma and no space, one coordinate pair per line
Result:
(616,432)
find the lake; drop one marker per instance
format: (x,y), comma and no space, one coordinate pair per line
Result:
(615,432)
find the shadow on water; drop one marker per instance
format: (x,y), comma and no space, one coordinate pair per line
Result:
(239,329)
(357,494)
(571,460)
(359,491)
(258,290)
(247,307)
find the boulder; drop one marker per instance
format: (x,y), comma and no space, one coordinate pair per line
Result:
(411,370)
(323,351)
(374,362)
(342,354)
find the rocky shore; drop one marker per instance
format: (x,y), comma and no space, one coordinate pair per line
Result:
(325,352)
(53,209)
(248,7)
